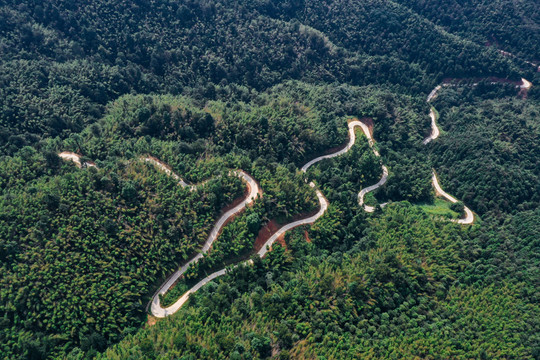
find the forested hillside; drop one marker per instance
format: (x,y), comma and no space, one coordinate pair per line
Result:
(493,153)
(164,103)
(394,294)
(63,61)
(509,26)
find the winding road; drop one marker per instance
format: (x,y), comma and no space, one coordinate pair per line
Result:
(434,128)
(352,140)
(253,189)
(469,216)
(156,309)
(160,312)
(525,85)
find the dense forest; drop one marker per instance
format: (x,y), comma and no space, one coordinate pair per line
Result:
(265,86)
(507,25)
(396,293)
(63,61)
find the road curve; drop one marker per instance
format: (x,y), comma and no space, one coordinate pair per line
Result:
(352,140)
(525,85)
(434,129)
(160,312)
(384,177)
(310,220)
(364,191)
(253,187)
(76,158)
(165,168)
(469,216)
(178,304)
(156,308)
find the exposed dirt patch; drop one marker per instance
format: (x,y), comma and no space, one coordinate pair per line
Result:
(75,158)
(281,240)
(272,227)
(306,236)
(151,321)
(369,123)
(265,233)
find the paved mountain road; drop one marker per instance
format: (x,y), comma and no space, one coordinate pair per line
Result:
(159,311)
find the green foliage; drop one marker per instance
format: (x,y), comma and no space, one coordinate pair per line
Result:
(265,86)
(61,233)
(63,62)
(457,207)
(492,153)
(397,298)
(499,23)
(440,208)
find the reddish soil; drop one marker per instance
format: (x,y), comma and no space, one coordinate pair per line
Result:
(260,192)
(281,241)
(367,121)
(270,229)
(265,233)
(306,236)
(370,124)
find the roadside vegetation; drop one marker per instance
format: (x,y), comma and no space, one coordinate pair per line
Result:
(265,86)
